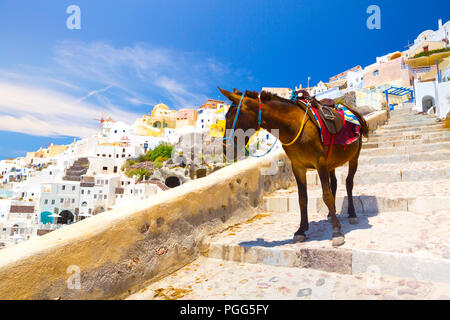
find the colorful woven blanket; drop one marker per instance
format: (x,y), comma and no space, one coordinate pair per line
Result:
(349,133)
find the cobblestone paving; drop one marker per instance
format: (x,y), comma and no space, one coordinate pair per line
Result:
(213,279)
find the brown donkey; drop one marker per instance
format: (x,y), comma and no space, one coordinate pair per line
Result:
(306,153)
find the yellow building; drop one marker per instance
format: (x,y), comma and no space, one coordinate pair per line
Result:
(217,129)
(50,152)
(153,125)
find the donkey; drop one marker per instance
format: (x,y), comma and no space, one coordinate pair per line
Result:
(307,152)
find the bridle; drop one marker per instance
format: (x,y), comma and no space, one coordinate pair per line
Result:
(259,126)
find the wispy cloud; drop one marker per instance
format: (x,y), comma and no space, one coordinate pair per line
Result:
(87,79)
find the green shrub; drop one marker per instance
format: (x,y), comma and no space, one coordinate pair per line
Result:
(161,151)
(429,53)
(139,173)
(158,164)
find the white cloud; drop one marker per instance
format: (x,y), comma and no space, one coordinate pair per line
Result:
(90,79)
(39,111)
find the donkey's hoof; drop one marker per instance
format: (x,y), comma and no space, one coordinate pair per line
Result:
(338,239)
(353,220)
(299,238)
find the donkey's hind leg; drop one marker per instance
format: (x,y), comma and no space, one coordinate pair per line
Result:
(352,167)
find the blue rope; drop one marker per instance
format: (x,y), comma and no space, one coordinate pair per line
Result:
(234,126)
(235,119)
(294,95)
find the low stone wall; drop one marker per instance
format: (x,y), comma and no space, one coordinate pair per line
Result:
(118,252)
(376,119)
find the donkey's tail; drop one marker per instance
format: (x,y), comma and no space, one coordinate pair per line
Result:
(364,127)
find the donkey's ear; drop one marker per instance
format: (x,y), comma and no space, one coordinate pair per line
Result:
(233,97)
(236,91)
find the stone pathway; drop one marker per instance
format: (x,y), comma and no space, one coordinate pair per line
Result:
(400,249)
(213,279)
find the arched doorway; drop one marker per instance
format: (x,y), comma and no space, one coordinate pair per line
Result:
(172,182)
(45,217)
(67,217)
(427,103)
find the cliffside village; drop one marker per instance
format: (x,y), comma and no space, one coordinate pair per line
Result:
(63,184)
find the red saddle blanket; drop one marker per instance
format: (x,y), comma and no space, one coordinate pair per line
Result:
(349,133)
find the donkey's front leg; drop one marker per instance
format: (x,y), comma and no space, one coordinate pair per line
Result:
(300,177)
(328,198)
(333,185)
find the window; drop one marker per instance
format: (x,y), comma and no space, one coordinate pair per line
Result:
(105,197)
(53,201)
(115,131)
(376,73)
(95,196)
(115,169)
(106,181)
(425,49)
(64,187)
(82,191)
(105,168)
(73,188)
(61,201)
(89,191)
(84,204)
(46,201)
(73,200)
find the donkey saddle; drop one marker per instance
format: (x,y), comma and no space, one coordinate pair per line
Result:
(330,116)
(327,111)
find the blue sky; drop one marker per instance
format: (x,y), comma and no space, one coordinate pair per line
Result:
(130,55)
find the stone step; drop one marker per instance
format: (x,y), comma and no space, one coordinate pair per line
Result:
(406,149)
(399,143)
(362,203)
(430,128)
(217,279)
(405,157)
(414,136)
(398,120)
(388,173)
(396,243)
(416,129)
(408,124)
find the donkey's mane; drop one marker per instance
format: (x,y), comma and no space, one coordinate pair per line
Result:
(267,96)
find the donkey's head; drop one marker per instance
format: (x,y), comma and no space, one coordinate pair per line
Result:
(239,127)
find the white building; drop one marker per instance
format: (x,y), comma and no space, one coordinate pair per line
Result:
(441,34)
(355,79)
(319,88)
(432,94)
(206,117)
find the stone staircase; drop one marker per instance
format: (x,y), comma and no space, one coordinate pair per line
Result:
(78,169)
(400,249)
